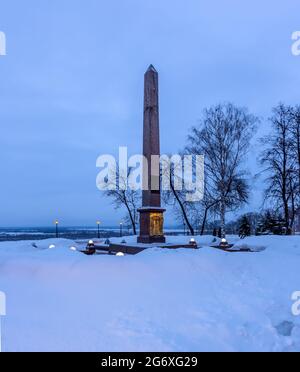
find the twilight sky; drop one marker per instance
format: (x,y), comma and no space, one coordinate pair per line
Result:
(71,88)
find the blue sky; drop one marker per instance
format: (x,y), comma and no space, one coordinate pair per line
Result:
(71,88)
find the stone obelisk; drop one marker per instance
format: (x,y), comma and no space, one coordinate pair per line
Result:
(151,213)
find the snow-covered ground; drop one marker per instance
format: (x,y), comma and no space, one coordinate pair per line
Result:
(159,300)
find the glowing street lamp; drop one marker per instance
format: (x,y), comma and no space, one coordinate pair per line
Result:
(56,228)
(98,226)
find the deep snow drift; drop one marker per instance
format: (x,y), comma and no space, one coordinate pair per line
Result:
(159,300)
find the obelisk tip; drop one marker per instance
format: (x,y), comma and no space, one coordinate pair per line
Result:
(151,68)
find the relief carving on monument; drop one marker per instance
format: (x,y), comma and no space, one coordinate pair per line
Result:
(156,224)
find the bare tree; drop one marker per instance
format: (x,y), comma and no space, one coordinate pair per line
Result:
(176,197)
(295,133)
(193,214)
(123,196)
(223,137)
(208,207)
(279,164)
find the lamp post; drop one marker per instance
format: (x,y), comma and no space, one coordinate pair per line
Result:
(56,228)
(121,229)
(98,226)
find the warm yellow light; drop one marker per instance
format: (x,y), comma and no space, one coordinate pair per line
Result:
(98,223)
(56,222)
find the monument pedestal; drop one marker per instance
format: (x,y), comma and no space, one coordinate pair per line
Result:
(151,225)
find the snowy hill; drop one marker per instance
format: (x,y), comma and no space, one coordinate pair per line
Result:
(159,300)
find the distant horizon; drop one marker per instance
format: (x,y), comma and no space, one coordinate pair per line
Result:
(77,227)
